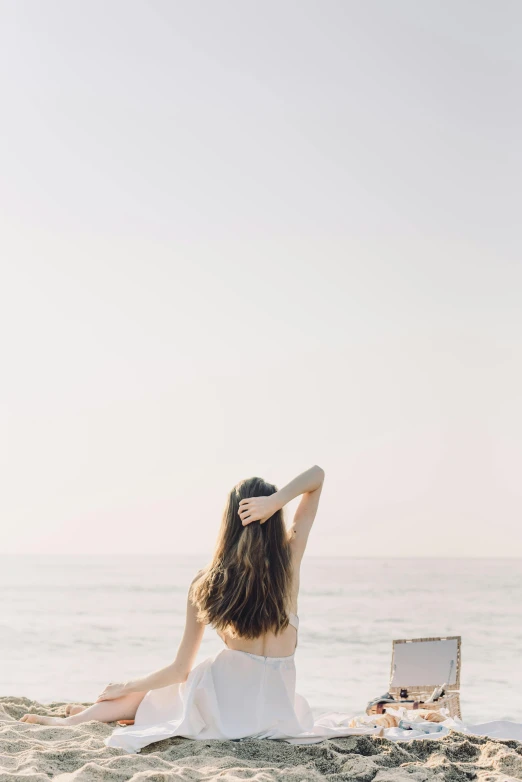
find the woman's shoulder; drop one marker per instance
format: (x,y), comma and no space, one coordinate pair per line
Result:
(200,573)
(195,586)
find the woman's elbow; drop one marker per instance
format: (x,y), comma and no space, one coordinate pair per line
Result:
(182,675)
(320,472)
(179,673)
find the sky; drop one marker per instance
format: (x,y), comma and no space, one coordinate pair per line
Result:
(242,238)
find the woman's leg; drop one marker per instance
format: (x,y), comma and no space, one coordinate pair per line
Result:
(123,708)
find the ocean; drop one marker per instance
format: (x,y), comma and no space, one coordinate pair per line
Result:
(69,625)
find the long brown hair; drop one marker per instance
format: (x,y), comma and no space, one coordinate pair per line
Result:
(244,590)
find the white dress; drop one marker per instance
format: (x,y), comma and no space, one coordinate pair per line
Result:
(232,695)
(236,695)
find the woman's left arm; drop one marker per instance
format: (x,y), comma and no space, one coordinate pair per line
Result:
(174,673)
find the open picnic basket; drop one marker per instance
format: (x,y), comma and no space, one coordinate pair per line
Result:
(420,665)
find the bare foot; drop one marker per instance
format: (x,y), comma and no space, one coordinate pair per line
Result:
(74,708)
(40,719)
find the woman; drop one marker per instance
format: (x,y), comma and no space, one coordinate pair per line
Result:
(248,594)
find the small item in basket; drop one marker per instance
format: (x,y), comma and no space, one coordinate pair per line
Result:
(437,693)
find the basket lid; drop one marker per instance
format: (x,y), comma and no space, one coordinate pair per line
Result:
(423,663)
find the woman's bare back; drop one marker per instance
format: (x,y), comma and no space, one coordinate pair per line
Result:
(270,644)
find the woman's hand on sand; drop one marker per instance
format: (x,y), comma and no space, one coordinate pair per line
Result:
(257,509)
(112,691)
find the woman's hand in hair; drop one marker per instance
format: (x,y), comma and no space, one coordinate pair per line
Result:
(257,509)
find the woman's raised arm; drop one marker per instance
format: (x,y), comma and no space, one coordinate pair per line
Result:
(309,483)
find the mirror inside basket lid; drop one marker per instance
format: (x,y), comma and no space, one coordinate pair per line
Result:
(425,663)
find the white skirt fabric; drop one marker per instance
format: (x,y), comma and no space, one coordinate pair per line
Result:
(233,695)
(237,695)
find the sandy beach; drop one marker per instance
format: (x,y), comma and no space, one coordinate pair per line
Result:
(37,753)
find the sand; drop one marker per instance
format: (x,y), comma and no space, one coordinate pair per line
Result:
(37,753)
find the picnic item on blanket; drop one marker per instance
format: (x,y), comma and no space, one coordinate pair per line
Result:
(386,721)
(424,727)
(425,673)
(434,716)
